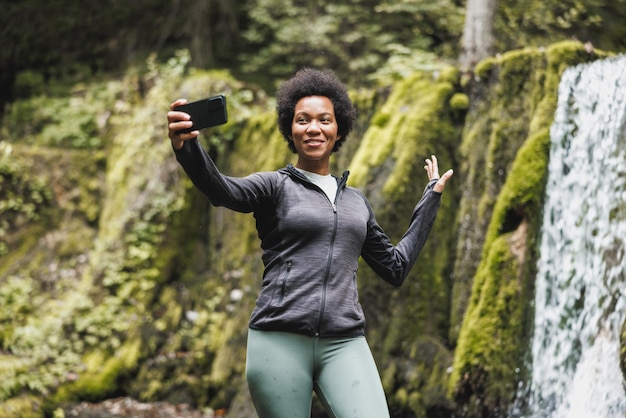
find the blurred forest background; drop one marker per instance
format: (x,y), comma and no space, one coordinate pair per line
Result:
(117,279)
(366,42)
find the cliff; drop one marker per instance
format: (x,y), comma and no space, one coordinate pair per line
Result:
(118,278)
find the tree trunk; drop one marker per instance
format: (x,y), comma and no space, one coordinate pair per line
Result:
(201,44)
(478,38)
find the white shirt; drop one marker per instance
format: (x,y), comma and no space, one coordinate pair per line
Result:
(327,183)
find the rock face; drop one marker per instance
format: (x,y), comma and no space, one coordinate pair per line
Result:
(118,279)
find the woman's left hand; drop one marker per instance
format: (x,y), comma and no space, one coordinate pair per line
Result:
(432,169)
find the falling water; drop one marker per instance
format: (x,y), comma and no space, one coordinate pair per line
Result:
(580,302)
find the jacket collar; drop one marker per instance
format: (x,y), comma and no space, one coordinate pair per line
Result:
(341,181)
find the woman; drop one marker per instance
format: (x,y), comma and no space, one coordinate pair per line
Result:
(306,332)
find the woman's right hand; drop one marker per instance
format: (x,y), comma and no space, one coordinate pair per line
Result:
(177,121)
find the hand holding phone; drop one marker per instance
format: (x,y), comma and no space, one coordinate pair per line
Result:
(205,113)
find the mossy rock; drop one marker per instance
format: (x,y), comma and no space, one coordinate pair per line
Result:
(490,357)
(26,406)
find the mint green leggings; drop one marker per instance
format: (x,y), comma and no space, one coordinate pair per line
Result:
(283,369)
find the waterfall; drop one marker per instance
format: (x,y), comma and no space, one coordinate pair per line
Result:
(580,301)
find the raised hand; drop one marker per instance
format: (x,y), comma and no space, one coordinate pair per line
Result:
(432,169)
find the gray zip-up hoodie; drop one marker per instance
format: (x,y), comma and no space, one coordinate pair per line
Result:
(311,246)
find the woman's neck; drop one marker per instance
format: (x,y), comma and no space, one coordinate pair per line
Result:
(314,166)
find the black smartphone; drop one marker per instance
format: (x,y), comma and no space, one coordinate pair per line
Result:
(205,113)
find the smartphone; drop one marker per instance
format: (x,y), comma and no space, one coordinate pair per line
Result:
(205,113)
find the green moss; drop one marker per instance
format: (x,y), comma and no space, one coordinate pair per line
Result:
(25,406)
(449,74)
(520,200)
(522,195)
(565,54)
(485,67)
(505,186)
(489,341)
(558,57)
(80,316)
(274,153)
(516,69)
(489,355)
(102,374)
(459,101)
(517,101)
(419,378)
(380,120)
(409,120)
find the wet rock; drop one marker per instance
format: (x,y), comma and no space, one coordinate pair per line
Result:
(130,408)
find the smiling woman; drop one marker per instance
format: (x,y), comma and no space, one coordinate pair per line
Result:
(306,332)
(314,133)
(309,82)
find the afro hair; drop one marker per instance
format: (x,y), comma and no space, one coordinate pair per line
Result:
(313,82)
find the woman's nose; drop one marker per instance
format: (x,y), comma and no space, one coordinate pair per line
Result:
(313,126)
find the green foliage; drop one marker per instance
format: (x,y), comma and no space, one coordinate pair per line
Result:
(76,317)
(66,35)
(30,83)
(402,62)
(77,120)
(40,355)
(32,320)
(435,25)
(285,35)
(23,196)
(540,23)
(355,38)
(140,287)
(364,41)
(137,253)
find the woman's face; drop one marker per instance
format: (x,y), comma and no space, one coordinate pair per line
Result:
(314,132)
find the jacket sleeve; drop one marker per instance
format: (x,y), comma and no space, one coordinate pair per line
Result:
(393,262)
(237,193)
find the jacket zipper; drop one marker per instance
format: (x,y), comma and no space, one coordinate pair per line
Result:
(330,256)
(327,275)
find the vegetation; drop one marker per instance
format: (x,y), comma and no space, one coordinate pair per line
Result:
(490,356)
(365,41)
(116,276)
